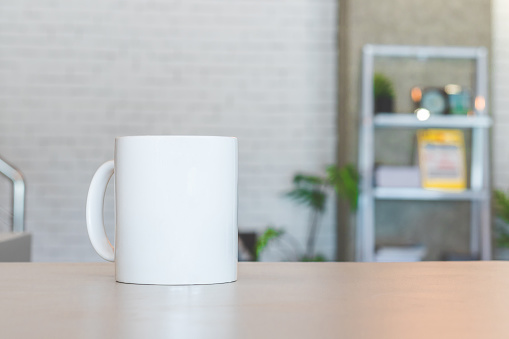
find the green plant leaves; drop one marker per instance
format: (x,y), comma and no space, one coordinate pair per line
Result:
(382,86)
(316,258)
(345,181)
(307,180)
(262,242)
(311,191)
(311,197)
(502,238)
(501,201)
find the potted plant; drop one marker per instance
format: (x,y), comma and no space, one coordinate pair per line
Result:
(311,191)
(384,93)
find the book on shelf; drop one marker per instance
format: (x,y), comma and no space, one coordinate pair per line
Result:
(442,159)
(397,176)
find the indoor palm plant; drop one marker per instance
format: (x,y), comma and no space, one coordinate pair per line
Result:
(311,191)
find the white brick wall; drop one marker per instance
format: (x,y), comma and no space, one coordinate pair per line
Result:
(75,74)
(500,93)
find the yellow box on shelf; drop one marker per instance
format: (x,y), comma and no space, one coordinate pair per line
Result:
(442,159)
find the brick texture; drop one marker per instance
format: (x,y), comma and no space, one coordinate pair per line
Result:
(76,74)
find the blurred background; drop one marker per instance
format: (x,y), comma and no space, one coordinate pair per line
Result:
(281,76)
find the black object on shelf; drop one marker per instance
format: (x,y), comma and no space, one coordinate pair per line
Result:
(384,105)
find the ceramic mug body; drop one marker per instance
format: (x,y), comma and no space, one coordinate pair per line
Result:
(175,209)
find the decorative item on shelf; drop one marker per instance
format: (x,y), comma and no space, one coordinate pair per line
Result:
(451,99)
(435,100)
(384,93)
(442,159)
(422,114)
(459,100)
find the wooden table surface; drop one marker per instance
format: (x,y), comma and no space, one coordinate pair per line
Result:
(270,300)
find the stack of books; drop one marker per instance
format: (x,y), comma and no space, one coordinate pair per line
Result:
(401,253)
(398,176)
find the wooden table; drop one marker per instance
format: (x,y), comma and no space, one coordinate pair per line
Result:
(278,300)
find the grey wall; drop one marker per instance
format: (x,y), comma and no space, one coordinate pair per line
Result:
(441,226)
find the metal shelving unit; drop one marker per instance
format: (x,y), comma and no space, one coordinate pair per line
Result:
(478,193)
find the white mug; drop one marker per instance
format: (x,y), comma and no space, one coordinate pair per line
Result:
(175,210)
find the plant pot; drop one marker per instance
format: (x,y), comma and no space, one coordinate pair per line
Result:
(384,105)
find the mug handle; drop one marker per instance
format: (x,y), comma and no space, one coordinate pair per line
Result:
(95,205)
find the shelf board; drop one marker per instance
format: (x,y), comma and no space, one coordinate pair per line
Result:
(389,193)
(446,121)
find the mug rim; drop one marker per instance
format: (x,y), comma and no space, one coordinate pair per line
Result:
(174,137)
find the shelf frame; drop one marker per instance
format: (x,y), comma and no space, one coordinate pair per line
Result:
(389,193)
(480,122)
(409,120)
